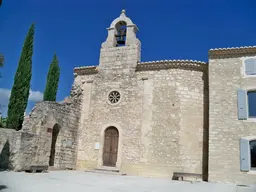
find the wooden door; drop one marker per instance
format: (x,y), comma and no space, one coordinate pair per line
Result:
(110,147)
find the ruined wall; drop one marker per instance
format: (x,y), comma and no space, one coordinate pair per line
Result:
(160,119)
(226,76)
(36,137)
(41,122)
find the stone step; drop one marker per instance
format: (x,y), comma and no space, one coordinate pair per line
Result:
(110,171)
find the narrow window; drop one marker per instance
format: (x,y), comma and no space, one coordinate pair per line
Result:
(241,104)
(253,154)
(251,104)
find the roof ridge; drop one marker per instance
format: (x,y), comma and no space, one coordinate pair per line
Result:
(232,52)
(86,67)
(173,60)
(229,48)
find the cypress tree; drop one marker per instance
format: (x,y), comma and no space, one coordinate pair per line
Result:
(21,86)
(52,83)
(1,62)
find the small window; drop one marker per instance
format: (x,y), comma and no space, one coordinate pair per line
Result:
(253,154)
(114,97)
(251,95)
(250,66)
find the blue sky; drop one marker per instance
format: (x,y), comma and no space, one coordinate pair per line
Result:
(177,29)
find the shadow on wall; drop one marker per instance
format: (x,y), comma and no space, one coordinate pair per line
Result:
(3,187)
(5,157)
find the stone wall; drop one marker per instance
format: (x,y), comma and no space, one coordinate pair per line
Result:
(9,148)
(225,130)
(119,60)
(160,120)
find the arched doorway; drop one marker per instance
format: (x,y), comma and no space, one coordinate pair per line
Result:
(110,147)
(55,132)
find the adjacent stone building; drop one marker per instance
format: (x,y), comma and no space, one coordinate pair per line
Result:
(232,112)
(148,118)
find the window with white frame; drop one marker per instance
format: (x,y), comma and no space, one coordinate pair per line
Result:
(248,154)
(246,102)
(250,66)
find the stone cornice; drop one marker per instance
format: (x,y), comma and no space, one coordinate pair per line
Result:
(87,70)
(232,52)
(169,64)
(152,65)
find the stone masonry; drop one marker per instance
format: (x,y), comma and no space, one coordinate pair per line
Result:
(32,144)
(226,76)
(147,118)
(9,148)
(160,116)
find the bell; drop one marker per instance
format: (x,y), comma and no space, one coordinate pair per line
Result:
(120,38)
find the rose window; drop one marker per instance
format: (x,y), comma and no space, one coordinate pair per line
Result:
(114,97)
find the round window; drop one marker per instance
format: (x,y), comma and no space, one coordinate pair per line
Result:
(114,97)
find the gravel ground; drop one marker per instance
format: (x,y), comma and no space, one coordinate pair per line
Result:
(76,181)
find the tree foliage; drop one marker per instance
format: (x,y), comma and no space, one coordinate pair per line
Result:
(3,122)
(21,86)
(52,83)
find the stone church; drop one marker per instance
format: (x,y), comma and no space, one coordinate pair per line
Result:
(153,118)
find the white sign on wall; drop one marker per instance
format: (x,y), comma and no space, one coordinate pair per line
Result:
(97,145)
(69,143)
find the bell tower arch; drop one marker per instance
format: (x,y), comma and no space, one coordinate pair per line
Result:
(120,53)
(120,33)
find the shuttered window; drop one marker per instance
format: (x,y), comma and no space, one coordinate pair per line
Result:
(247,154)
(241,104)
(245,161)
(250,66)
(251,97)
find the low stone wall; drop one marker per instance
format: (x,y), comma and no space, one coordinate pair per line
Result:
(18,149)
(9,148)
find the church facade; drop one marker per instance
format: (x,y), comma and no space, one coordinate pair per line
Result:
(152,118)
(141,116)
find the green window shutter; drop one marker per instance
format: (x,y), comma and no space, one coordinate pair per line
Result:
(245,160)
(241,104)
